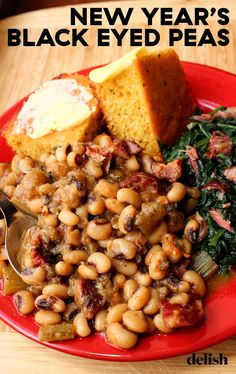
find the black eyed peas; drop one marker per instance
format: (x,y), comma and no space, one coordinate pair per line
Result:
(102,254)
(198,284)
(81,325)
(99,229)
(128,196)
(135,321)
(24,301)
(106,188)
(100,261)
(116,312)
(122,248)
(58,290)
(126,219)
(176,192)
(47,317)
(139,298)
(121,337)
(50,302)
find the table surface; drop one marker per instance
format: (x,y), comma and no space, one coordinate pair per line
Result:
(22,69)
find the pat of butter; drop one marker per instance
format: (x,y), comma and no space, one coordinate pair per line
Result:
(56,106)
(113,69)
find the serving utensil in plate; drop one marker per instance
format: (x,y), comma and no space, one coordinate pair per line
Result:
(18,218)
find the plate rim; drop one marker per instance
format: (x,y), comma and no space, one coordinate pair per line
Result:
(122,355)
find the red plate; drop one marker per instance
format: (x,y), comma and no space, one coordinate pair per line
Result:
(211,87)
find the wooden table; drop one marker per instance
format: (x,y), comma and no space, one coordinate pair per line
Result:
(22,69)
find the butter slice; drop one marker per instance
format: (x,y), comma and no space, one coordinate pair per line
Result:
(57,105)
(113,69)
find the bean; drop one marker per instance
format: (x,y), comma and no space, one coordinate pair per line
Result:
(118,281)
(147,163)
(121,337)
(193,192)
(2,231)
(122,248)
(68,218)
(176,192)
(99,229)
(33,276)
(79,148)
(132,163)
(106,188)
(114,206)
(101,262)
(183,286)
(129,196)
(154,249)
(151,326)
(81,325)
(126,219)
(139,298)
(158,266)
(74,159)
(135,321)
(50,302)
(50,220)
(182,298)
(47,189)
(47,317)
(130,287)
(58,290)
(2,265)
(96,204)
(160,325)
(116,312)
(125,267)
(35,205)
(63,268)
(100,320)
(143,279)
(87,272)
(103,140)
(157,234)
(198,284)
(137,237)
(93,169)
(61,152)
(73,236)
(10,179)
(74,257)
(153,305)
(26,164)
(24,301)
(172,247)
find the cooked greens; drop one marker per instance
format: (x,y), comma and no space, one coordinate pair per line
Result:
(208,151)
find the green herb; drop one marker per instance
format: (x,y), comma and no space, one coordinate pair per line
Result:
(220,243)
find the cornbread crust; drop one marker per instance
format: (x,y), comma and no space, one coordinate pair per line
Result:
(149,100)
(21,143)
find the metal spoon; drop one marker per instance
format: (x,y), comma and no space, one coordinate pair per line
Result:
(16,226)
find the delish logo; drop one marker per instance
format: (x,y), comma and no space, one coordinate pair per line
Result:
(207,359)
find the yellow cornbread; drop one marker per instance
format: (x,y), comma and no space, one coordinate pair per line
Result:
(144,96)
(60,111)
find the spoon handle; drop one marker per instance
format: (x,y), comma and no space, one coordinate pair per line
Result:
(7,209)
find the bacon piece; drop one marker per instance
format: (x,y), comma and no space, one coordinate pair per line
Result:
(219,144)
(87,297)
(193,157)
(230,174)
(141,182)
(175,315)
(170,172)
(204,117)
(98,153)
(133,147)
(216,185)
(120,149)
(218,218)
(37,258)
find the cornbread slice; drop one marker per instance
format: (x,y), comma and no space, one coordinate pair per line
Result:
(145,97)
(63,110)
